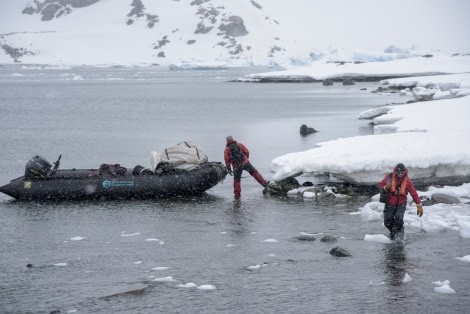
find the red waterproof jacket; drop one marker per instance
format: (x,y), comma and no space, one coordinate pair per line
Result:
(227,159)
(397,195)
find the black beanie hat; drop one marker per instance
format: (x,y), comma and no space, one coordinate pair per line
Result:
(400,167)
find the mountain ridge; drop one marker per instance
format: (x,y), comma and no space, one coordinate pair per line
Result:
(163,33)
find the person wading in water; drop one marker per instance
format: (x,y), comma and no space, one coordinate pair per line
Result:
(236,155)
(396,186)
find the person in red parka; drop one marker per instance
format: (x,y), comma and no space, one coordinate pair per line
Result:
(397,185)
(236,155)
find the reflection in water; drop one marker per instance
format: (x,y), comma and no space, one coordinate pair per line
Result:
(237,216)
(395,263)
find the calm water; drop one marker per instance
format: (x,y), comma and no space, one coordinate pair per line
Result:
(85,251)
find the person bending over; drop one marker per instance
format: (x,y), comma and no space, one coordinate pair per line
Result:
(236,155)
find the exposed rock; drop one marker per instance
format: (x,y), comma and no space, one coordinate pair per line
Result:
(444,198)
(305,237)
(283,186)
(256,5)
(202,29)
(162,42)
(328,238)
(130,292)
(235,27)
(327,82)
(348,81)
(16,53)
(339,252)
(51,9)
(305,130)
(138,11)
(49,12)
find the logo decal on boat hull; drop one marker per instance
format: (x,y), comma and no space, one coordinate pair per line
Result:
(107,184)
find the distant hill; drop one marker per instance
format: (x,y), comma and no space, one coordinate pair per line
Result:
(90,32)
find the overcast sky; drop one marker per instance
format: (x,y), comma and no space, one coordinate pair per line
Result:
(375,24)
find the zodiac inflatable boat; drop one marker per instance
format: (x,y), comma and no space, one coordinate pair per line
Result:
(182,170)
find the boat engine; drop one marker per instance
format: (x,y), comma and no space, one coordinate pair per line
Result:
(37,167)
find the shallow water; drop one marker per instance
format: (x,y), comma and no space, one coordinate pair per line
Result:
(82,252)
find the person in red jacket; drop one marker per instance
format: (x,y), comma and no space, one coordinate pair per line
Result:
(236,155)
(398,184)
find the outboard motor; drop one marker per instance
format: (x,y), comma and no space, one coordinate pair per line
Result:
(37,167)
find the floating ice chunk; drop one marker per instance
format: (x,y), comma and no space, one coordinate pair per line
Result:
(138,262)
(187,285)
(206,287)
(441,283)
(155,240)
(270,241)
(311,234)
(61,264)
(370,214)
(130,234)
(161,268)
(464,228)
(255,267)
(379,238)
(77,238)
(165,279)
(443,287)
(309,194)
(381,283)
(407,278)
(466,258)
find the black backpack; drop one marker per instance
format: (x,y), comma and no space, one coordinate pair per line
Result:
(385,195)
(236,153)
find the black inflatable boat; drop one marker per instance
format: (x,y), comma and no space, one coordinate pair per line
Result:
(112,181)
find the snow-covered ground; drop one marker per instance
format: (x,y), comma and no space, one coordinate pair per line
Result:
(429,137)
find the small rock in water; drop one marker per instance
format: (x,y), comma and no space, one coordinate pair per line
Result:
(340,252)
(328,238)
(305,130)
(305,237)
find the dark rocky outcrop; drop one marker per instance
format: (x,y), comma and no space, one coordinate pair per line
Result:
(137,291)
(16,53)
(51,9)
(138,11)
(283,186)
(327,82)
(305,130)
(305,237)
(339,252)
(233,27)
(328,238)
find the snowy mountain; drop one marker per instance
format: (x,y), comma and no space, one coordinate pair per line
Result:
(226,32)
(142,32)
